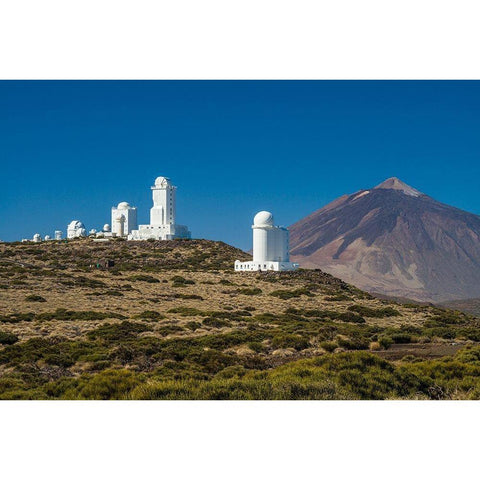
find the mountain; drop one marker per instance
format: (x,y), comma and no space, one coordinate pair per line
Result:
(393,240)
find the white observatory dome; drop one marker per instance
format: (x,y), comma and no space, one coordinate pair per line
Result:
(162,182)
(47,237)
(263,218)
(106,227)
(123,205)
(76,224)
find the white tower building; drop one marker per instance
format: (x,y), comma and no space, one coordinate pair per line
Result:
(58,234)
(76,229)
(163,224)
(270,247)
(124,219)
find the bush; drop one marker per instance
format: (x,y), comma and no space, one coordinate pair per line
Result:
(329,346)
(169,329)
(401,338)
(249,291)
(150,315)
(179,281)
(193,326)
(186,311)
(216,322)
(113,333)
(7,338)
(287,294)
(34,298)
(289,341)
(70,315)
(144,278)
(350,317)
(385,342)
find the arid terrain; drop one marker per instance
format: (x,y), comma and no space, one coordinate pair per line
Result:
(152,320)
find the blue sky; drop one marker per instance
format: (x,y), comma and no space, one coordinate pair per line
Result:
(71,150)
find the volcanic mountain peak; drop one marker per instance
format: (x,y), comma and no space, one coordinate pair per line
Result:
(395,183)
(393,240)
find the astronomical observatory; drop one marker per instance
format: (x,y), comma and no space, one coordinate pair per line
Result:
(270,247)
(163,224)
(124,219)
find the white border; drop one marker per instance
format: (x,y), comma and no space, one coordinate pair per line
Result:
(238,40)
(241,39)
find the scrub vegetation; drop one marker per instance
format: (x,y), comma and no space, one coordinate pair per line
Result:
(183,325)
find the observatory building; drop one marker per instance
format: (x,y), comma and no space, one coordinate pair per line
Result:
(124,219)
(270,247)
(76,229)
(162,215)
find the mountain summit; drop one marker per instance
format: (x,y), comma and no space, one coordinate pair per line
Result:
(393,240)
(395,183)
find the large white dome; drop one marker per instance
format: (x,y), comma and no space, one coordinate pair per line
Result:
(123,205)
(76,224)
(263,218)
(162,182)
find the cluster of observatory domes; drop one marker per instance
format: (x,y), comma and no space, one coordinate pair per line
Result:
(270,242)
(124,224)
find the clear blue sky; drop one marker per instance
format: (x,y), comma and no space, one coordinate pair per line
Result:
(71,150)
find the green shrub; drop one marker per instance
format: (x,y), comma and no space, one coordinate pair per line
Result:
(186,311)
(184,296)
(193,326)
(401,338)
(144,278)
(107,385)
(287,294)
(169,329)
(117,332)
(70,315)
(216,322)
(385,342)
(350,317)
(329,346)
(249,291)
(179,281)
(150,315)
(289,341)
(7,338)
(34,298)
(257,347)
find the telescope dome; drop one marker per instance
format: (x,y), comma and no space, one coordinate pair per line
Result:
(263,218)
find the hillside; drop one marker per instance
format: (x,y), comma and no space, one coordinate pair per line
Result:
(396,241)
(172,320)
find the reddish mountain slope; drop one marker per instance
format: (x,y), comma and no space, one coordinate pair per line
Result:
(393,240)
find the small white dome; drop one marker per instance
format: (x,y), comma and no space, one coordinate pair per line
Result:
(263,218)
(162,182)
(47,237)
(123,205)
(106,227)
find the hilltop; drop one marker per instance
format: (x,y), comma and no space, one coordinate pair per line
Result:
(394,240)
(171,319)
